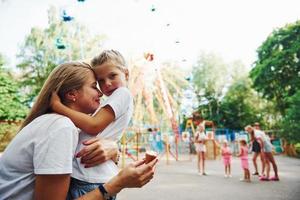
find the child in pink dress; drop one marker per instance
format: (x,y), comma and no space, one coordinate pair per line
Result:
(244,160)
(226,155)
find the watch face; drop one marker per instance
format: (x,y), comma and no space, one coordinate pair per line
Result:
(107,197)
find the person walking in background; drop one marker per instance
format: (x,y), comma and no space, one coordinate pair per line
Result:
(198,120)
(226,156)
(199,140)
(266,148)
(244,160)
(257,151)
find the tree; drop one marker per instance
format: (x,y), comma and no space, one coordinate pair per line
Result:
(242,106)
(11,101)
(12,108)
(210,78)
(276,73)
(44,49)
(291,125)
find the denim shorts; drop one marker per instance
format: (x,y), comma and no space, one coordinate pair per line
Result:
(78,188)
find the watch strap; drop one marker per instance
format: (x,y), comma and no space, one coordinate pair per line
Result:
(104,193)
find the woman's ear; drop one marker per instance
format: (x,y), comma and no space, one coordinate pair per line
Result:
(71,96)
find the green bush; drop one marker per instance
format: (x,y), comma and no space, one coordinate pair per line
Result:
(297,148)
(7,132)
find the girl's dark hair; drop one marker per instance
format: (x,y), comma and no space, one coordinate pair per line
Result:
(197,116)
(243,142)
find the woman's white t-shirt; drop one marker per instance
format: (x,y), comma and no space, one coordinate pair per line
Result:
(45,146)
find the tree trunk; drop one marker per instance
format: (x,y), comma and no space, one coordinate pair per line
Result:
(289,149)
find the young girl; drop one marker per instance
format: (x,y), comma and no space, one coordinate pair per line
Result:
(200,139)
(226,155)
(108,122)
(244,160)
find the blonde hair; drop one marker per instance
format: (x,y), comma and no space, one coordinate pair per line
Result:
(252,135)
(64,78)
(107,56)
(248,127)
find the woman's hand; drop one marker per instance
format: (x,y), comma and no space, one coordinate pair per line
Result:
(54,101)
(134,175)
(137,174)
(97,151)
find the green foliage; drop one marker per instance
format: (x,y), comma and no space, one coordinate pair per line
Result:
(12,106)
(39,53)
(11,102)
(297,148)
(210,77)
(7,132)
(241,105)
(276,73)
(291,120)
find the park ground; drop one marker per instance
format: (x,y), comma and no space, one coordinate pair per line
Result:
(179,180)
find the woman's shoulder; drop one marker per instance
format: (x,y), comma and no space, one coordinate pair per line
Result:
(55,120)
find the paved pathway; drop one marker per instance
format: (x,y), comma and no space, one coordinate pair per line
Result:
(179,181)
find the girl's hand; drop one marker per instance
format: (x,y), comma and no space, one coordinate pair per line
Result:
(97,151)
(54,101)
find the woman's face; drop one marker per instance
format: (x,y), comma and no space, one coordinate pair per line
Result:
(110,77)
(200,128)
(88,97)
(198,121)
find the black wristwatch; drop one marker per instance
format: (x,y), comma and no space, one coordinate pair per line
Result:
(105,194)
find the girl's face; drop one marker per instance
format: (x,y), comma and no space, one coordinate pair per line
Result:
(110,77)
(88,97)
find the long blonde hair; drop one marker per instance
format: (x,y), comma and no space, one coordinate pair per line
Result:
(64,78)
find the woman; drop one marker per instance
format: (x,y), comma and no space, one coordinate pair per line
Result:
(257,151)
(38,162)
(200,140)
(266,151)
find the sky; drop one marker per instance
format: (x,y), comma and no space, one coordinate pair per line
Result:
(177,30)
